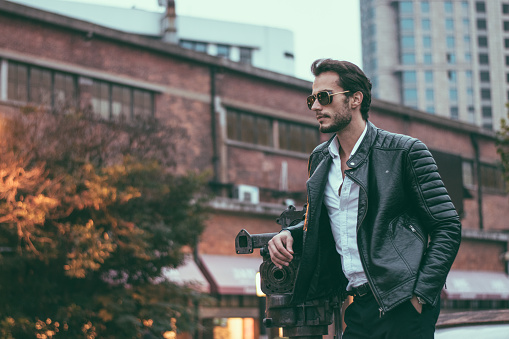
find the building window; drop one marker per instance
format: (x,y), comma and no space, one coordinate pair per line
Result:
(506,43)
(450,41)
(466,42)
(407,24)
(430,109)
(466,24)
(484,59)
(485,76)
(454,112)
(507,78)
(194,45)
(505,8)
(408,42)
(428,77)
(492,178)
(453,94)
(410,96)
(114,101)
(426,24)
(448,7)
(452,77)
(27,83)
(506,26)
(468,173)
(246,55)
(470,97)
(485,94)
(481,24)
(406,7)
(249,128)
(451,58)
(482,41)
(430,95)
(223,51)
(507,60)
(425,7)
(409,78)
(449,24)
(428,59)
(298,138)
(480,7)
(464,7)
(468,57)
(426,41)
(408,58)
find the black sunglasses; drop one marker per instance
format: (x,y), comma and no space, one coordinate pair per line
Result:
(324,98)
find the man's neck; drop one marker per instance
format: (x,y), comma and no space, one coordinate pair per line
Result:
(348,137)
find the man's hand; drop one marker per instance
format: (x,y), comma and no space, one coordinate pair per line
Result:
(280,249)
(415,302)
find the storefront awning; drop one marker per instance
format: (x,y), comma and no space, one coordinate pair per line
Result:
(231,275)
(476,285)
(188,273)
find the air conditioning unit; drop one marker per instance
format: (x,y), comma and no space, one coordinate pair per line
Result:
(247,193)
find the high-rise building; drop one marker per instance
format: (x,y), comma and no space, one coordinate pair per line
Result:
(449,58)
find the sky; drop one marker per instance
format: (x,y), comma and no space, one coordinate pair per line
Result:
(321,28)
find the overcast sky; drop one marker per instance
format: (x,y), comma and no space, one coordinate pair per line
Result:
(321,28)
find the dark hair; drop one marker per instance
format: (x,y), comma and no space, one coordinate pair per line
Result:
(351,78)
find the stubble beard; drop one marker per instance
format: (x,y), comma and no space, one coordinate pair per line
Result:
(339,121)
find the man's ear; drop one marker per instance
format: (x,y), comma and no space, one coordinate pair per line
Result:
(356,99)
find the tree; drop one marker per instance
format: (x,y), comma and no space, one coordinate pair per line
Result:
(90,212)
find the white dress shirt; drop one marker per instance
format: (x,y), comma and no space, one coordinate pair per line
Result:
(342,209)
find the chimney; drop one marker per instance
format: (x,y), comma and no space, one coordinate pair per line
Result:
(169,23)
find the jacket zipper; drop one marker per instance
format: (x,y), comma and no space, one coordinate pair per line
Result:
(370,281)
(412,228)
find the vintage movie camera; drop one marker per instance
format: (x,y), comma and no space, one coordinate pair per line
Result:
(307,320)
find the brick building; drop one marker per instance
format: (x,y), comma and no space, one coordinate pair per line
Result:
(252,130)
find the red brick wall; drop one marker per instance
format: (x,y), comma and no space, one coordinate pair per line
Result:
(480,255)
(219,236)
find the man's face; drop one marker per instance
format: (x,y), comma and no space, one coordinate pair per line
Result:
(335,116)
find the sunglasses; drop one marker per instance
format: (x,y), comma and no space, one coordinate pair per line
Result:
(324,98)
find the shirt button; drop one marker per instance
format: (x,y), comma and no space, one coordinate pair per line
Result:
(352,163)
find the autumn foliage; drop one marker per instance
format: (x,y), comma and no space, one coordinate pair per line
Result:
(90,212)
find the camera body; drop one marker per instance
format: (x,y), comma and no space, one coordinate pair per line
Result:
(303,320)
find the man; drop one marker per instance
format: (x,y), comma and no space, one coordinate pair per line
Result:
(380,225)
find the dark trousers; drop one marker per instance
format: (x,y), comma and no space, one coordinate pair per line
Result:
(363,321)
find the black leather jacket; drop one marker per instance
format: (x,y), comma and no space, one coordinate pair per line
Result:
(408,231)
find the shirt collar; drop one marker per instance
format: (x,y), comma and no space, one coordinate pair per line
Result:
(334,145)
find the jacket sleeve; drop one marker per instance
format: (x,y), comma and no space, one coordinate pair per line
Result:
(439,219)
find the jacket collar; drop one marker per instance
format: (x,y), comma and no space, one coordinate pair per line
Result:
(364,148)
